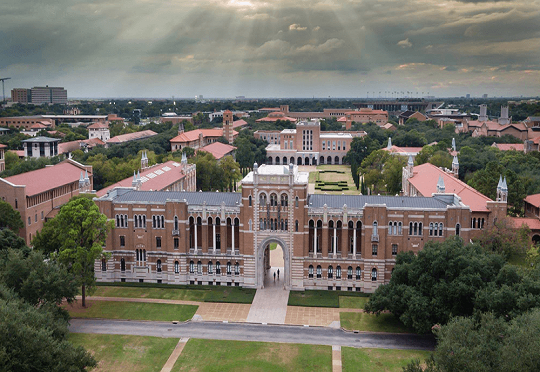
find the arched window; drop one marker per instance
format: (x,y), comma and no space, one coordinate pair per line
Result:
(229,268)
(273,200)
(431,229)
(249,200)
(158,266)
(415,228)
(122,264)
(399,228)
(338,272)
(296,202)
(284,200)
(199,267)
(237,268)
(420,229)
(250,225)
(191,267)
(330,272)
(103,265)
(261,225)
(154,222)
(310,271)
(349,272)
(440,229)
(373,275)
(176,267)
(375,228)
(319,271)
(390,228)
(358,273)
(218,267)
(144,255)
(176,222)
(458,228)
(262,199)
(210,267)
(296,226)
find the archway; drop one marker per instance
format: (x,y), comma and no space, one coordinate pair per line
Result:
(536,239)
(264,247)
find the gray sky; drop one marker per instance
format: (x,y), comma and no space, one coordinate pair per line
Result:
(272,48)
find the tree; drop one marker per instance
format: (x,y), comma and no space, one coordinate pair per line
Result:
(8,239)
(486,344)
(209,174)
(441,281)
(33,340)
(79,231)
(231,172)
(9,217)
(361,147)
(505,239)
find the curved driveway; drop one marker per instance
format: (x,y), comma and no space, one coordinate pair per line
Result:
(254,332)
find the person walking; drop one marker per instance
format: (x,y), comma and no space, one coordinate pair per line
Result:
(277,274)
(274,276)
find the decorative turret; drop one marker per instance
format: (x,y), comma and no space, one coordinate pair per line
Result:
(441,189)
(455,166)
(134,182)
(483,113)
(81,182)
(144,160)
(410,166)
(389,146)
(454,144)
(502,190)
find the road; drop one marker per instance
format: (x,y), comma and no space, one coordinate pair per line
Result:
(254,332)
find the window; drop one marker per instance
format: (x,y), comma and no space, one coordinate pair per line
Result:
(375,228)
(390,228)
(103,265)
(210,267)
(29,221)
(349,272)
(218,268)
(158,266)
(440,229)
(262,199)
(458,227)
(399,228)
(122,264)
(310,271)
(176,243)
(199,267)
(319,271)
(374,248)
(176,267)
(42,215)
(358,273)
(296,202)
(338,272)
(158,242)
(249,200)
(431,229)
(394,249)
(237,268)
(228,268)
(330,272)
(176,222)
(374,275)
(191,267)
(16,204)
(296,226)
(122,241)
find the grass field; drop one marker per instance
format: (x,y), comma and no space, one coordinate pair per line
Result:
(207,294)
(336,176)
(372,323)
(118,353)
(325,298)
(241,356)
(350,302)
(378,360)
(132,310)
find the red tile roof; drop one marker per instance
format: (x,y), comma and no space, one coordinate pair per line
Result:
(92,142)
(65,147)
(239,123)
(218,149)
(2,146)
(132,136)
(275,116)
(509,146)
(532,223)
(162,175)
(48,178)
(533,199)
(98,125)
(425,179)
(404,150)
(38,126)
(193,135)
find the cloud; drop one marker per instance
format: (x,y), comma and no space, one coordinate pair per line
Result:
(405,43)
(295,27)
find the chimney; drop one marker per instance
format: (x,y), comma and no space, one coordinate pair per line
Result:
(504,119)
(483,113)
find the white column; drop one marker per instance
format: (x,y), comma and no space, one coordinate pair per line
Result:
(315,242)
(214,236)
(232,231)
(354,243)
(335,241)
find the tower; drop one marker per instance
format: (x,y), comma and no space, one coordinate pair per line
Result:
(81,183)
(410,166)
(502,190)
(440,186)
(389,146)
(228,126)
(134,182)
(504,119)
(483,113)
(144,160)
(455,166)
(454,144)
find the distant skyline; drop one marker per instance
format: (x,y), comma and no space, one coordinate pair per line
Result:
(260,48)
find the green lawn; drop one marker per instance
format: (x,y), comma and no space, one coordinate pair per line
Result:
(350,302)
(384,322)
(118,353)
(313,176)
(132,310)
(378,360)
(187,293)
(323,298)
(241,356)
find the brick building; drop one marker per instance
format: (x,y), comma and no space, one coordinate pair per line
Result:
(334,242)
(38,195)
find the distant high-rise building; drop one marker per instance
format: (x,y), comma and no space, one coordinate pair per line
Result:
(468,95)
(21,95)
(484,95)
(46,94)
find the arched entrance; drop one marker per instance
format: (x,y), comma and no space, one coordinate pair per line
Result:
(285,276)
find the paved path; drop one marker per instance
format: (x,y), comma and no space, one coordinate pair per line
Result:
(175,354)
(254,332)
(336,358)
(270,303)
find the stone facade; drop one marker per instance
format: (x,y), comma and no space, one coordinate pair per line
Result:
(334,242)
